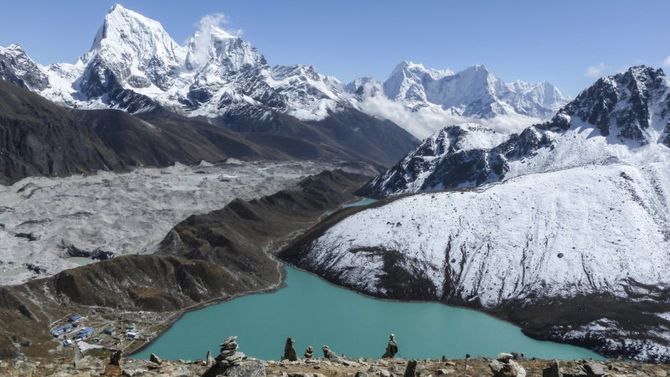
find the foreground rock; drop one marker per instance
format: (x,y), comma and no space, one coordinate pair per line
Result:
(231,362)
(505,366)
(361,367)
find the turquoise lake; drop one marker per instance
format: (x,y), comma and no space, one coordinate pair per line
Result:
(315,312)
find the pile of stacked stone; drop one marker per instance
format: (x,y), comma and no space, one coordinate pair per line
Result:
(309,353)
(289,350)
(229,355)
(329,354)
(113,368)
(505,366)
(391,348)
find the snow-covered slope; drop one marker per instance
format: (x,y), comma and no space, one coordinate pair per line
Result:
(410,174)
(587,229)
(424,100)
(576,207)
(135,65)
(610,120)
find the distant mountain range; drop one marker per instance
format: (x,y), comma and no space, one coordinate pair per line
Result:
(134,65)
(562,228)
(423,100)
(630,109)
(210,100)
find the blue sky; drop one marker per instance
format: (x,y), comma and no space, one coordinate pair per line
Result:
(566,42)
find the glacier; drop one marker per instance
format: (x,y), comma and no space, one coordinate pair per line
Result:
(128,213)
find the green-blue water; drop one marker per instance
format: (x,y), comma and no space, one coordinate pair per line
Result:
(315,312)
(359,203)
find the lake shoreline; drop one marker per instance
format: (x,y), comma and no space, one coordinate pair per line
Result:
(263,334)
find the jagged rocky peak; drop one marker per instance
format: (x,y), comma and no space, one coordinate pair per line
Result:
(130,50)
(544,93)
(408,80)
(454,138)
(630,108)
(19,69)
(473,92)
(135,65)
(212,45)
(462,146)
(365,87)
(306,81)
(632,105)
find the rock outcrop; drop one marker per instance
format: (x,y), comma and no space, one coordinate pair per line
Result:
(391,348)
(477,367)
(505,366)
(289,350)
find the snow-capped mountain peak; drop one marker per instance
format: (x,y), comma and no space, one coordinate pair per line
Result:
(135,65)
(212,43)
(133,51)
(408,79)
(365,87)
(630,106)
(472,94)
(409,68)
(621,117)
(18,68)
(13,49)
(543,93)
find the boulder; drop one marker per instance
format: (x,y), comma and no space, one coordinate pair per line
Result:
(410,370)
(554,370)
(593,369)
(113,369)
(444,371)
(115,358)
(504,357)
(289,350)
(506,367)
(252,368)
(328,353)
(155,359)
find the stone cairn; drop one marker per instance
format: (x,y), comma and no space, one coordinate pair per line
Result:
(505,366)
(391,348)
(229,355)
(328,353)
(113,368)
(289,350)
(309,353)
(410,369)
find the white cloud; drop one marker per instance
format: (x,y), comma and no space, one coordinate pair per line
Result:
(595,71)
(427,120)
(210,28)
(666,62)
(217,21)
